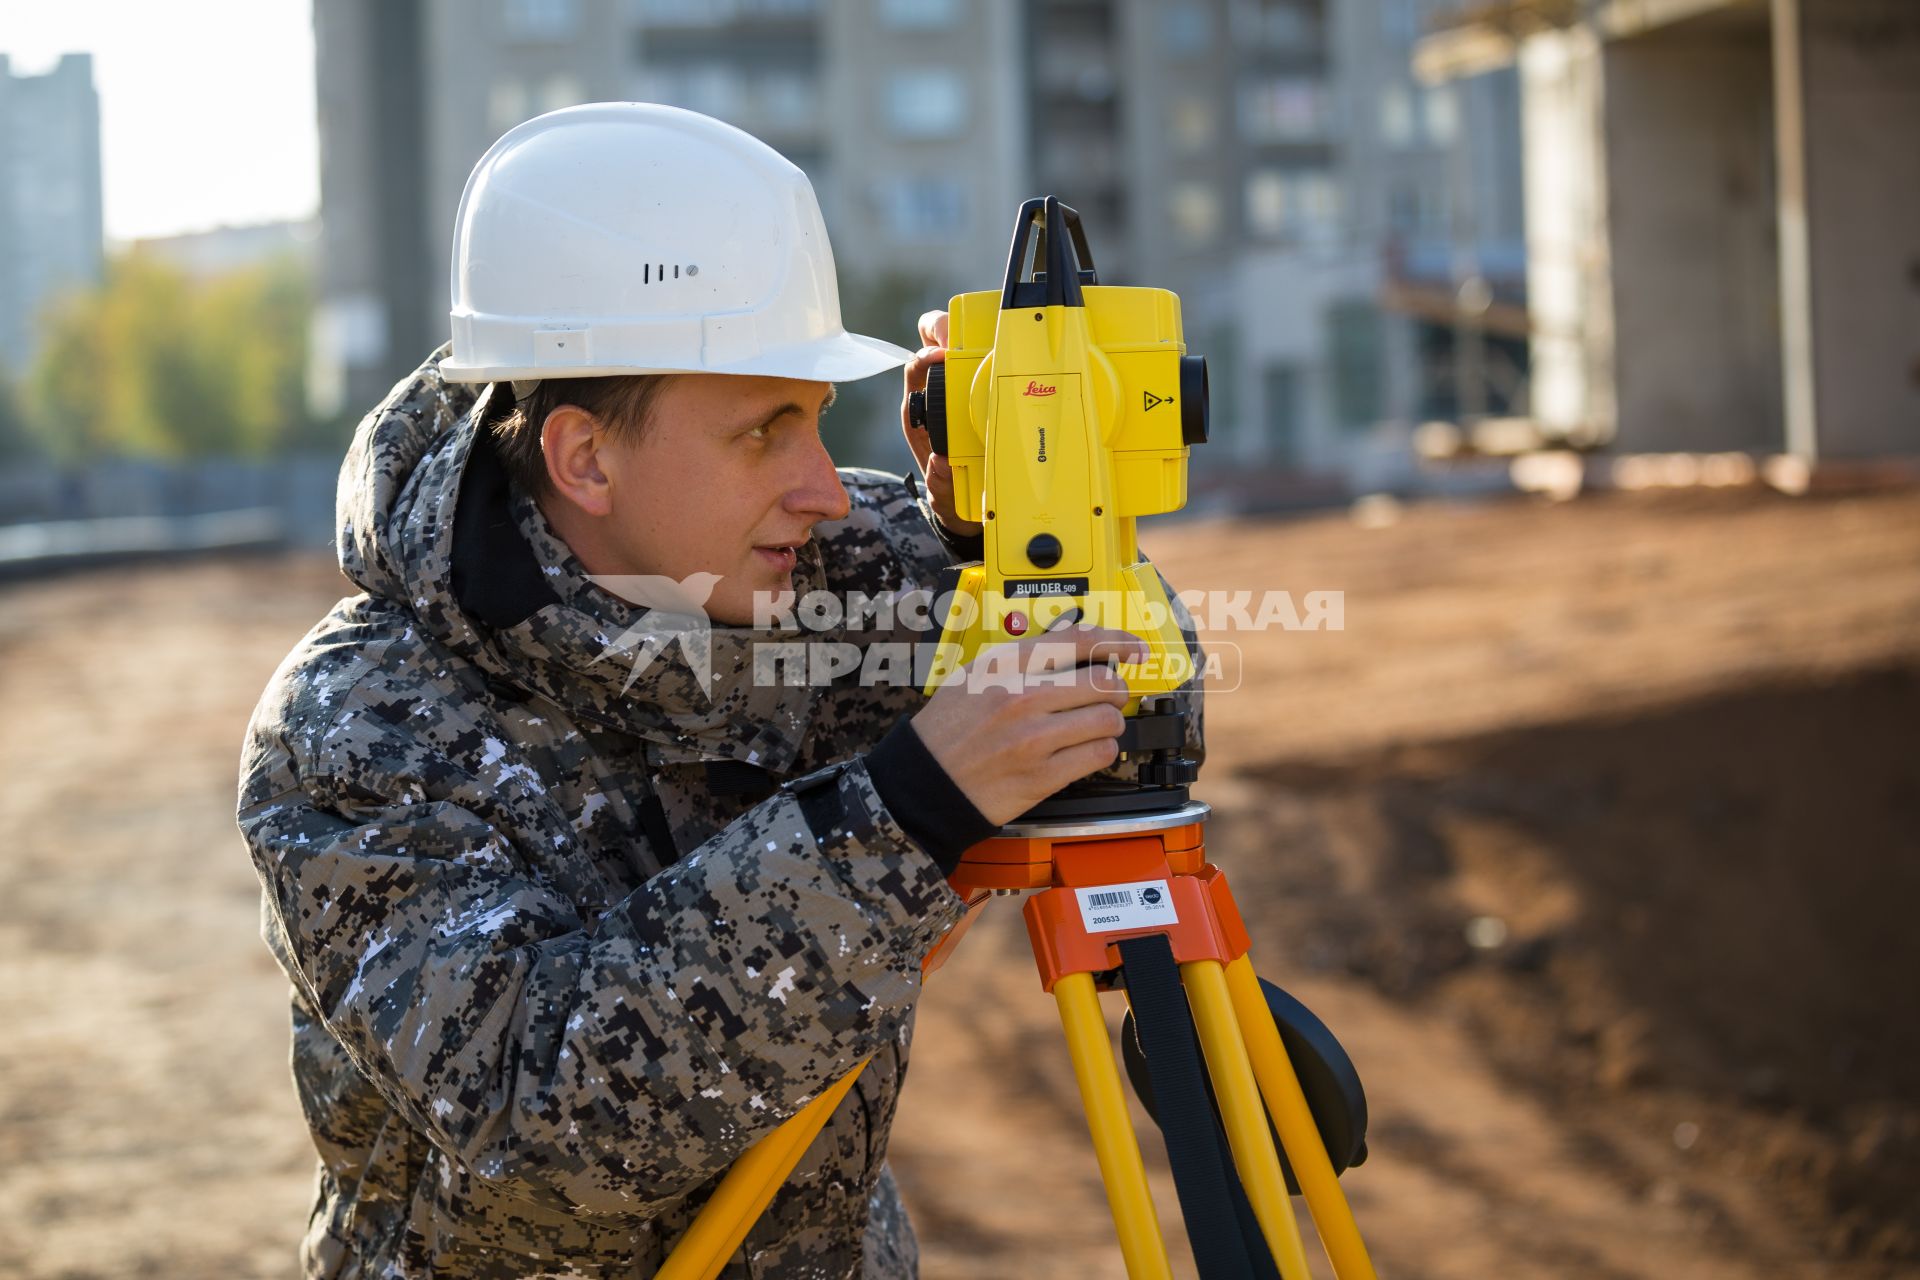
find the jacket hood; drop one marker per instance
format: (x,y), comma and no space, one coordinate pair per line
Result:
(429,522)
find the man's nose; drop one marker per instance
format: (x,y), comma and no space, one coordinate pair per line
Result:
(819,493)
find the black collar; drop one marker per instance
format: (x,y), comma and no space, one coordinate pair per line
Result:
(496,577)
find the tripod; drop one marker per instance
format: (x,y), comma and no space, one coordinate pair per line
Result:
(1130,900)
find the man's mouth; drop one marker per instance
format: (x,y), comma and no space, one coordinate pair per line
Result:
(783,556)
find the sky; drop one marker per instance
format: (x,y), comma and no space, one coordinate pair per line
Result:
(206,106)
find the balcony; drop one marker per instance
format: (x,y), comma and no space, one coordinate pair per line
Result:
(712,14)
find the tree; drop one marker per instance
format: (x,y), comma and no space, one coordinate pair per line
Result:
(16,436)
(156,363)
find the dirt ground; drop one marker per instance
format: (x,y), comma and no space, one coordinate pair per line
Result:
(1591,835)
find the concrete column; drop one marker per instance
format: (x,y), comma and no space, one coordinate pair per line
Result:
(1858,82)
(1796,291)
(1568,260)
(1690,225)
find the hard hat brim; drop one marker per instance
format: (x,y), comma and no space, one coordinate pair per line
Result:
(845,357)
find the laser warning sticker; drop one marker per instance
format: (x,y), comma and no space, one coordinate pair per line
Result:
(1141,905)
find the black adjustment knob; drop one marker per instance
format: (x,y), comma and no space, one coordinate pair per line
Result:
(917,409)
(1178,772)
(935,408)
(1193,399)
(1044,551)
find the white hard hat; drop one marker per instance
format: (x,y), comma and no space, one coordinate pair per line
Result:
(627,237)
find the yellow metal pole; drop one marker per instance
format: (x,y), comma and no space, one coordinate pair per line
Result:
(1240,1110)
(1114,1144)
(1332,1218)
(749,1187)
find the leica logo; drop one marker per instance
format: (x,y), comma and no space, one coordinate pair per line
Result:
(1036,389)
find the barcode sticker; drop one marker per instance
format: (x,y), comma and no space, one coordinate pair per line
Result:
(1141,905)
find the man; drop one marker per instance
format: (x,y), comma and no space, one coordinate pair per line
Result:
(569,930)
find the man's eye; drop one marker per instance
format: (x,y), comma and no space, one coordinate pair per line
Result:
(760,432)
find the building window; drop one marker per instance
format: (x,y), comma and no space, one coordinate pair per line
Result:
(1353,344)
(1400,21)
(930,103)
(541,19)
(1417,211)
(1194,210)
(683,13)
(1080,161)
(1287,26)
(713,89)
(1186,28)
(1292,203)
(919,15)
(1280,388)
(791,98)
(511,101)
(919,209)
(1075,68)
(1192,124)
(1442,110)
(716,13)
(559,91)
(1284,109)
(508,103)
(1396,115)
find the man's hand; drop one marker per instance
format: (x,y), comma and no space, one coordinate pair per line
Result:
(934,468)
(1028,718)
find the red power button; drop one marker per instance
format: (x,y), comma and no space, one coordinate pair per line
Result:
(1016,623)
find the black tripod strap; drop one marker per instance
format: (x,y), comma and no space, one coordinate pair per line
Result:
(1264,1267)
(1204,1182)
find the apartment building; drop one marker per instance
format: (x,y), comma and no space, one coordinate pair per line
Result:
(1212,146)
(51,232)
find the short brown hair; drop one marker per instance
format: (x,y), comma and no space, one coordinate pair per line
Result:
(621,403)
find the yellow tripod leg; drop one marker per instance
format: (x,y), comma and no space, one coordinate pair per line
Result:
(749,1187)
(1114,1144)
(1332,1218)
(1240,1110)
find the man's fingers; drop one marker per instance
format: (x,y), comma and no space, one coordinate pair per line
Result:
(916,369)
(939,473)
(1073,646)
(1076,762)
(1066,649)
(1077,687)
(1076,725)
(933,328)
(939,476)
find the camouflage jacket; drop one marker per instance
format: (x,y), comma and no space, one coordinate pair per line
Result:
(565,940)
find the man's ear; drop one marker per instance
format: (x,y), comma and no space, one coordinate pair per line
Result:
(571,440)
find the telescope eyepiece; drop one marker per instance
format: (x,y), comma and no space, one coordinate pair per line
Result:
(1193,399)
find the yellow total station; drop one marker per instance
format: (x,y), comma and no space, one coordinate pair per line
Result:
(1067,409)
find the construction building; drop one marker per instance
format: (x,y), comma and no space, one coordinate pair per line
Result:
(1723,218)
(51,233)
